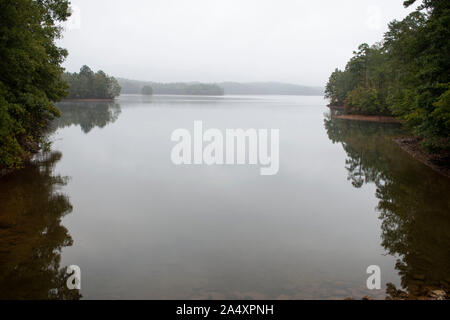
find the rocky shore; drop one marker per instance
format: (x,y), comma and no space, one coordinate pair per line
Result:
(437,162)
(426,293)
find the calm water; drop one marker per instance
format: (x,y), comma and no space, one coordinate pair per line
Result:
(108,199)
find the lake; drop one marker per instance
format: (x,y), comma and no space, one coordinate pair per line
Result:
(108,199)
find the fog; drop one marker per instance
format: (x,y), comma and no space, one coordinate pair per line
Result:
(293,41)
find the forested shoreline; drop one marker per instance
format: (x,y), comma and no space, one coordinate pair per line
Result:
(30,77)
(405,75)
(89,85)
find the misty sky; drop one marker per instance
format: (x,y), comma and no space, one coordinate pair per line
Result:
(293,41)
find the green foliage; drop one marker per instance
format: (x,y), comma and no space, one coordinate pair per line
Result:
(366,69)
(441,113)
(363,101)
(147,90)
(406,75)
(30,78)
(335,89)
(89,85)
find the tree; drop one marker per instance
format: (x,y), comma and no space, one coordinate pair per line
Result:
(420,46)
(30,77)
(147,90)
(334,88)
(89,85)
(406,75)
(363,101)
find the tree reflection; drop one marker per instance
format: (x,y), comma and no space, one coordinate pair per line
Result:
(31,234)
(87,115)
(413,203)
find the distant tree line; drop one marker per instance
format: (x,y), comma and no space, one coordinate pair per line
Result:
(89,85)
(147,90)
(406,75)
(262,88)
(179,88)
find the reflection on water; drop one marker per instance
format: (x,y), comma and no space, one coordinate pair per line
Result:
(87,115)
(144,228)
(31,234)
(31,210)
(413,203)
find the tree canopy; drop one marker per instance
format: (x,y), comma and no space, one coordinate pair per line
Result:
(405,75)
(89,85)
(30,77)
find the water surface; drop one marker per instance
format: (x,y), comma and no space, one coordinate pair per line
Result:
(108,199)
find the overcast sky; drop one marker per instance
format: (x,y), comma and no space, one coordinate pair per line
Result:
(294,41)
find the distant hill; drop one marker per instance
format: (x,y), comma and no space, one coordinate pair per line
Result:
(267,88)
(197,88)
